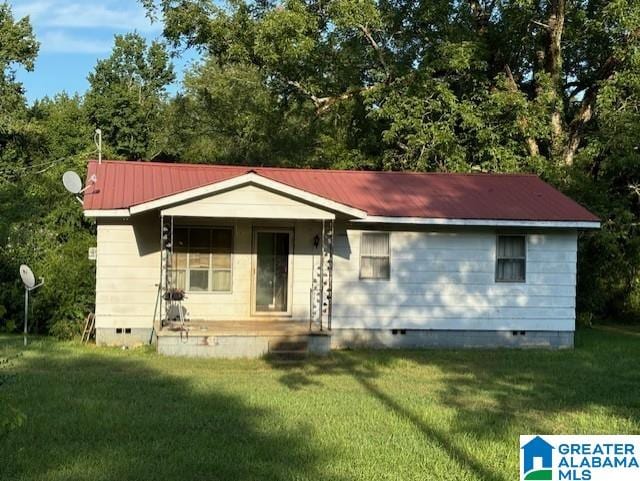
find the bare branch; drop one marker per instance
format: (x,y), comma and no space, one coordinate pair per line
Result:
(635,189)
(481,14)
(376,47)
(323,104)
(540,24)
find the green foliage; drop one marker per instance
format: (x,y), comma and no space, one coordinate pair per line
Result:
(64,123)
(40,223)
(125,96)
(217,121)
(18,47)
(44,228)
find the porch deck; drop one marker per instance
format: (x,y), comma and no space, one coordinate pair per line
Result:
(242,338)
(242,328)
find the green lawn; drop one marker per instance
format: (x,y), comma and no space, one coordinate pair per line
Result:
(98,414)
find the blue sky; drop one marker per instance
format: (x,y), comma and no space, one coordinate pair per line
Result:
(74,34)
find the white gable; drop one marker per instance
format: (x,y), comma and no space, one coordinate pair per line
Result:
(249,201)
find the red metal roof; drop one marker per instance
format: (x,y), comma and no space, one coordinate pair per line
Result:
(123,184)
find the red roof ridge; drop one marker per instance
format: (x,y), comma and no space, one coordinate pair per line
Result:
(252,168)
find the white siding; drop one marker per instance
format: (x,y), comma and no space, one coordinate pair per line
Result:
(439,280)
(249,202)
(128,270)
(446,280)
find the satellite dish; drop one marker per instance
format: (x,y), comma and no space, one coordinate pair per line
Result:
(72,182)
(27,276)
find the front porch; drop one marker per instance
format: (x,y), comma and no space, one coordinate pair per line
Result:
(243,339)
(251,267)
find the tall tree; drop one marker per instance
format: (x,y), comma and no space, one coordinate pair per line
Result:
(40,224)
(438,73)
(126,96)
(18,47)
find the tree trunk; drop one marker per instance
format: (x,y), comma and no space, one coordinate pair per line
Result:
(532,144)
(553,67)
(585,112)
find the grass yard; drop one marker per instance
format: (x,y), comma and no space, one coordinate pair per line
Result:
(106,414)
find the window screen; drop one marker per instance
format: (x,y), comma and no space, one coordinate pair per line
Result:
(374,255)
(202,259)
(511,261)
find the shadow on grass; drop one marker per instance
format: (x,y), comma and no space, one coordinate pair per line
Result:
(97,416)
(495,393)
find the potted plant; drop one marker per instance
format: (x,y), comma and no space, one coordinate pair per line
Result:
(174,294)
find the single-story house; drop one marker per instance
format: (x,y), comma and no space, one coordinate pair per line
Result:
(329,259)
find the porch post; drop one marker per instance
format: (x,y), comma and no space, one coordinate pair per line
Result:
(330,273)
(157,311)
(322,245)
(321,292)
(166,258)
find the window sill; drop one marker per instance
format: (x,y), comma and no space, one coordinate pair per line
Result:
(199,293)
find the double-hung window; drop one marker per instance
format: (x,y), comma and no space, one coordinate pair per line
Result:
(374,255)
(511,258)
(202,259)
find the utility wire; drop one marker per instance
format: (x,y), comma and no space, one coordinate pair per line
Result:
(40,168)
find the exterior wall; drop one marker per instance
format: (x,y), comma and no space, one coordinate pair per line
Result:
(446,280)
(440,280)
(248,202)
(127,274)
(236,305)
(128,271)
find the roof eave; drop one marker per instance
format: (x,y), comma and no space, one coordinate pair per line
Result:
(120,213)
(551,224)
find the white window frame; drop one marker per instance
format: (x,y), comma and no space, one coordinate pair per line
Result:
(210,269)
(388,256)
(497,259)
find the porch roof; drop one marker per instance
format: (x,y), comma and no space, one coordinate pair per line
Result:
(124,188)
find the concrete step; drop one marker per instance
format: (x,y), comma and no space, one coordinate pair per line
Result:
(288,350)
(287,356)
(288,346)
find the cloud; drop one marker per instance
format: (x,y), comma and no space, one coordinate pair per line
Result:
(124,15)
(57,41)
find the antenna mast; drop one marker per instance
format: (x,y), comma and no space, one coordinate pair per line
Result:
(98,140)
